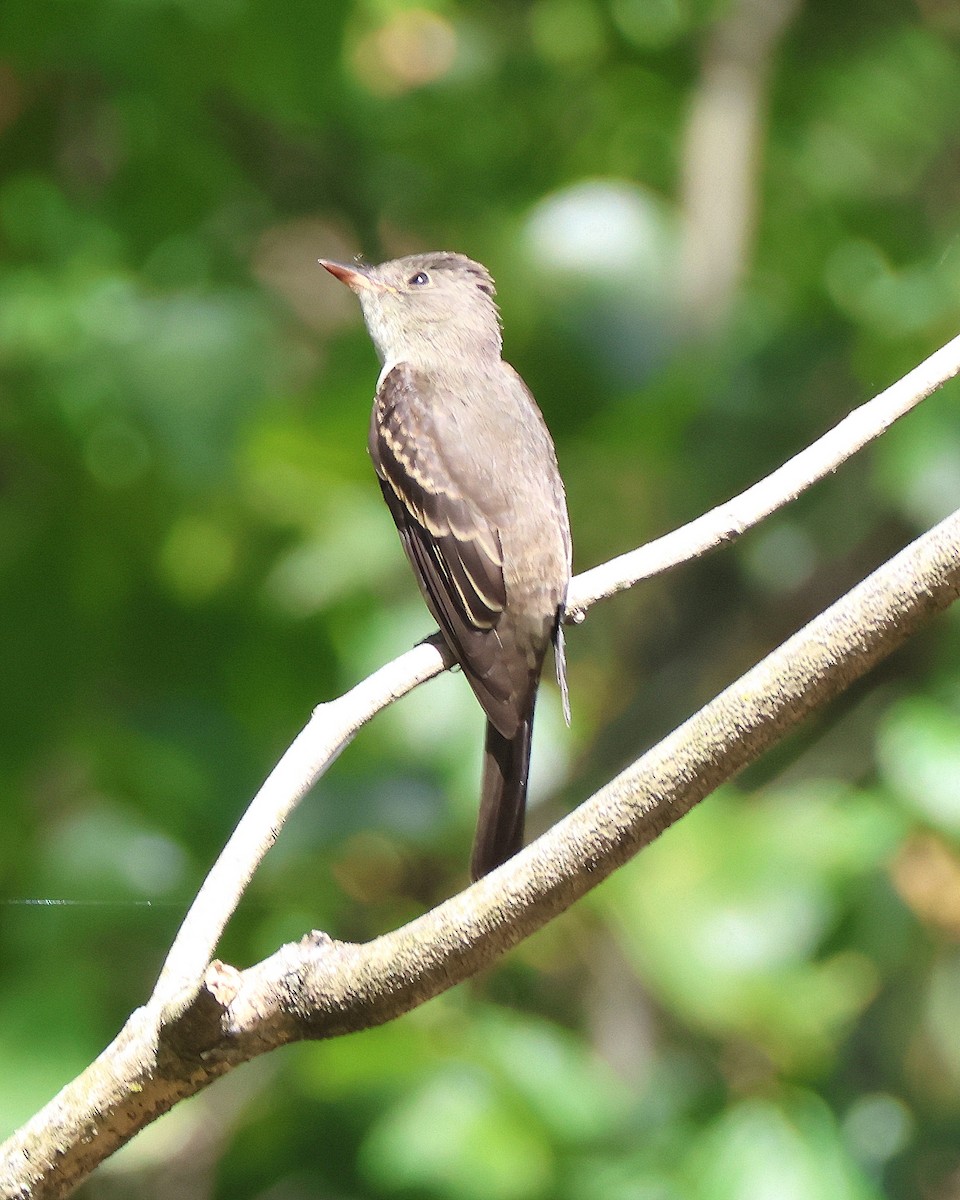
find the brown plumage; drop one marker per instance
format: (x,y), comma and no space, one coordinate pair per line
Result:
(468,470)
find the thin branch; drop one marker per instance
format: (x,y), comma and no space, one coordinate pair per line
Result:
(334,724)
(322,988)
(329,731)
(728,521)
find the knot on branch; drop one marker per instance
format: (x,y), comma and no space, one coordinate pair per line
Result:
(193,1024)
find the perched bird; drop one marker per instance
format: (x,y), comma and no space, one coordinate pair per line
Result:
(469,472)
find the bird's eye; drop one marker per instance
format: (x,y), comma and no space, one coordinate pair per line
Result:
(419,279)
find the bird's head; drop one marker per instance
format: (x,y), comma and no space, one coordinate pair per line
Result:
(427,307)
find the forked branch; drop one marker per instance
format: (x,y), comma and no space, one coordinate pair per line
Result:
(333,725)
(203,1020)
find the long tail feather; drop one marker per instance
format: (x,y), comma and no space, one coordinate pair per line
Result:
(506,762)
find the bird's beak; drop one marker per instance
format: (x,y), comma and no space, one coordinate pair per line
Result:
(355,277)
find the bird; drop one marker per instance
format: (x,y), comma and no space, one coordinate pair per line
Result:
(469,473)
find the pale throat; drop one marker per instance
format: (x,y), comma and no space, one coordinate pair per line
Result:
(450,341)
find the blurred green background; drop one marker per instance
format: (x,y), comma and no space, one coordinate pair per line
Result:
(715,229)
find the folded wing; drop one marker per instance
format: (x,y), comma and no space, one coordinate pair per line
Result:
(453,545)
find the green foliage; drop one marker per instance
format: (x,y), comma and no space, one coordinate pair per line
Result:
(193,553)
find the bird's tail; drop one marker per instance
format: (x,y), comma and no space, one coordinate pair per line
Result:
(503,798)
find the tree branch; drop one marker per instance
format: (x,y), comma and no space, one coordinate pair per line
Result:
(728,521)
(331,728)
(322,988)
(202,1020)
(334,724)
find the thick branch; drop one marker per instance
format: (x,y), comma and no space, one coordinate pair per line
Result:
(322,988)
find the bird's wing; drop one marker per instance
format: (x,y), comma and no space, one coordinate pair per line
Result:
(563,523)
(453,547)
